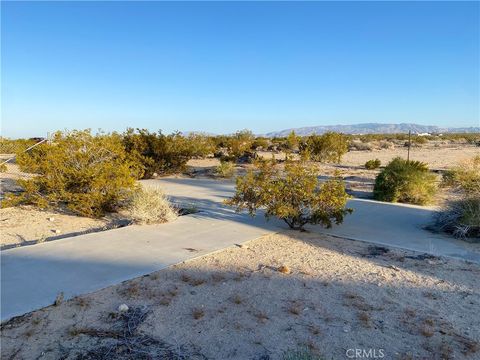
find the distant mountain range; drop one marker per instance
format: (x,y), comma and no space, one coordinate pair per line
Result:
(372,128)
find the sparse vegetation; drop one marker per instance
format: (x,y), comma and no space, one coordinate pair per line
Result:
(405,181)
(149,205)
(301,354)
(461,216)
(297,197)
(373,164)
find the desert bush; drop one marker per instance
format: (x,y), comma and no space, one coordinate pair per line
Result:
(360,146)
(200,145)
(405,181)
(329,147)
(465,177)
(386,145)
(296,196)
(260,143)
(3,168)
(149,205)
(373,164)
(461,216)
(226,169)
(292,142)
(90,175)
(10,146)
(240,143)
(162,154)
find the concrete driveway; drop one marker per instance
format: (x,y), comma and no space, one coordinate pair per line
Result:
(397,225)
(32,276)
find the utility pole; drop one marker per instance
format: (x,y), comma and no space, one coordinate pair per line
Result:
(409,143)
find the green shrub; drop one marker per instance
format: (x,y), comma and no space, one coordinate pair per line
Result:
(296,197)
(260,143)
(373,164)
(226,169)
(162,154)
(329,147)
(149,205)
(201,145)
(405,181)
(239,144)
(90,175)
(292,142)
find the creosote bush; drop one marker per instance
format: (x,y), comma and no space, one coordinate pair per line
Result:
(373,164)
(296,197)
(164,154)
(226,169)
(405,181)
(90,175)
(149,205)
(329,147)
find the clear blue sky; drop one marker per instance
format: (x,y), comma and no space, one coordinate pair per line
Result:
(222,66)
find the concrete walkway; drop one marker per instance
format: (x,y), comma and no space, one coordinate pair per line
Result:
(32,276)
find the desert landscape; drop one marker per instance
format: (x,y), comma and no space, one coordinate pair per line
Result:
(239,180)
(26,225)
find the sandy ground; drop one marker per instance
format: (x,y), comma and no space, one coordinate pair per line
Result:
(437,158)
(26,225)
(277,293)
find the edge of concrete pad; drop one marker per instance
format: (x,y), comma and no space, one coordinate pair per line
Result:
(386,244)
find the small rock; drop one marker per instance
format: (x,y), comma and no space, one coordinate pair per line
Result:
(51,219)
(123,308)
(346,329)
(56,231)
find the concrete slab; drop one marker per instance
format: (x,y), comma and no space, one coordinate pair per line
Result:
(32,276)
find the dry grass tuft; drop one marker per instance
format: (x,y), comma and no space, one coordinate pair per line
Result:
(295,308)
(150,206)
(364,317)
(193,281)
(236,299)
(261,316)
(198,313)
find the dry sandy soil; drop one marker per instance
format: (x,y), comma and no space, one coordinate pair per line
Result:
(277,293)
(441,157)
(26,225)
